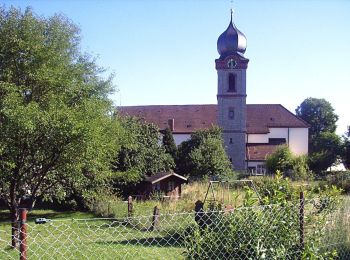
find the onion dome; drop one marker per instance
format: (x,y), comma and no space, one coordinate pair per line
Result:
(231,41)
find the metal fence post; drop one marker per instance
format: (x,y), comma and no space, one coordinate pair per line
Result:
(301,222)
(23,233)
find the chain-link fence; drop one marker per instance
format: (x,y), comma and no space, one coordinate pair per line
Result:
(302,230)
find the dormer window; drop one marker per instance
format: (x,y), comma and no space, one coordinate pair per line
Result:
(231,83)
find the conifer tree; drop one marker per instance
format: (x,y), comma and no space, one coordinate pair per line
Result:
(169,143)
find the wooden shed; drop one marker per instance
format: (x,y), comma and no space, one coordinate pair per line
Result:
(168,183)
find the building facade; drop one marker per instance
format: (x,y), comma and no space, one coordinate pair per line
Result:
(250,132)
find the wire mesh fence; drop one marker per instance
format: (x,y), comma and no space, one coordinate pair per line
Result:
(299,230)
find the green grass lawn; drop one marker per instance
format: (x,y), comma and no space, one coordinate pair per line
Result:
(67,236)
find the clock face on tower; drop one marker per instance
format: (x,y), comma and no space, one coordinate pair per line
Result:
(231,64)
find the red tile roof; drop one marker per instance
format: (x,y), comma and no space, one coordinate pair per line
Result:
(258,152)
(189,118)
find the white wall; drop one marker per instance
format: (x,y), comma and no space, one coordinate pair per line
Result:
(298,140)
(278,133)
(179,138)
(264,138)
(258,138)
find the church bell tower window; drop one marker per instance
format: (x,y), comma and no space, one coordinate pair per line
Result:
(231,83)
(231,113)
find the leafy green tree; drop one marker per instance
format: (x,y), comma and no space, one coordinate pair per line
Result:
(327,149)
(210,159)
(56,132)
(346,150)
(319,114)
(204,155)
(169,143)
(141,153)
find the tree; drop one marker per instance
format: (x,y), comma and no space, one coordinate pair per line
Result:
(169,143)
(57,134)
(204,155)
(324,144)
(141,154)
(319,114)
(346,154)
(327,149)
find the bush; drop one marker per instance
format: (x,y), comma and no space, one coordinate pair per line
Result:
(340,179)
(264,232)
(294,167)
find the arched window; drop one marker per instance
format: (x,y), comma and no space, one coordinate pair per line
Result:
(231,83)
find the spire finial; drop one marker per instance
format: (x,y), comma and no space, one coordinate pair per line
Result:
(231,9)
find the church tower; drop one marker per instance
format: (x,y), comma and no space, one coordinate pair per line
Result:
(231,67)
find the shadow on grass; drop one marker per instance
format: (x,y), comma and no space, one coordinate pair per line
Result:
(175,240)
(32,215)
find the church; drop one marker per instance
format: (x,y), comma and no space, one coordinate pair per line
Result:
(250,131)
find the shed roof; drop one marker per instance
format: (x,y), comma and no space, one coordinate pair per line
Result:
(190,118)
(163,175)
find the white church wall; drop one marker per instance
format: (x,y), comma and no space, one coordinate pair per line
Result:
(298,140)
(278,133)
(179,138)
(257,138)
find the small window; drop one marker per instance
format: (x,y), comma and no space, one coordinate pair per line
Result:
(230,159)
(277,141)
(231,141)
(231,113)
(171,185)
(231,83)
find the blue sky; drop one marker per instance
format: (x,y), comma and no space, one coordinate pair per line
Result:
(163,52)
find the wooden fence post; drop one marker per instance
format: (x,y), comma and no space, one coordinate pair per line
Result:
(155,219)
(23,234)
(301,222)
(130,206)
(199,213)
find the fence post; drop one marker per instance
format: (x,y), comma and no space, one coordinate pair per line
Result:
(130,206)
(23,233)
(301,221)
(155,219)
(199,213)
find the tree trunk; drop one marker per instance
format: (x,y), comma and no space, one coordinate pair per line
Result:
(14,229)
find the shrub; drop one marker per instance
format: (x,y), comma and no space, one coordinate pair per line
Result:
(267,231)
(292,166)
(340,179)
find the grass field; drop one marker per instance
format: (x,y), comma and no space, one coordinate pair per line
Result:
(67,236)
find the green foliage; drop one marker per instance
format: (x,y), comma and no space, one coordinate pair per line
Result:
(280,160)
(169,143)
(319,113)
(204,156)
(290,165)
(324,145)
(271,231)
(57,137)
(141,154)
(346,152)
(327,149)
(340,179)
